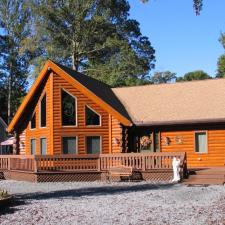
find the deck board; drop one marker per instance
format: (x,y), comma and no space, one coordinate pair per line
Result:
(206,176)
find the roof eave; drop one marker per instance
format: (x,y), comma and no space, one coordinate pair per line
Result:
(179,122)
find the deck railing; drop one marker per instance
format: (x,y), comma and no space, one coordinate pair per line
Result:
(95,162)
(140,161)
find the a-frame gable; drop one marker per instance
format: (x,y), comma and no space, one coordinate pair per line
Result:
(51,66)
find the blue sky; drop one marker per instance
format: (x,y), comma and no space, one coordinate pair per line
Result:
(183,42)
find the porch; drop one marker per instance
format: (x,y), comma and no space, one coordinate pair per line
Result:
(46,168)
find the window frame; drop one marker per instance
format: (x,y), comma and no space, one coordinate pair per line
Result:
(93,135)
(100,116)
(42,96)
(46,145)
(69,136)
(34,113)
(75,99)
(33,139)
(206,133)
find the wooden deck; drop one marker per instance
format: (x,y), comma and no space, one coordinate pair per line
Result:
(206,176)
(147,166)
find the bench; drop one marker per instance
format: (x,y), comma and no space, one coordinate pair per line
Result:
(119,171)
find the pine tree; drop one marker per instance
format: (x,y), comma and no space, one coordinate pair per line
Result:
(14,58)
(94,36)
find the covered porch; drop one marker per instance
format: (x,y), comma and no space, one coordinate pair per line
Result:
(45,168)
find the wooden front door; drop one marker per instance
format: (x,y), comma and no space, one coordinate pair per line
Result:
(145,140)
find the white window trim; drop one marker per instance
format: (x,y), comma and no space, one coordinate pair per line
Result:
(93,135)
(44,94)
(35,145)
(69,136)
(46,145)
(201,131)
(75,99)
(100,117)
(35,121)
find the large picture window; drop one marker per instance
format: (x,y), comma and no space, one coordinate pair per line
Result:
(69,145)
(33,122)
(92,118)
(43,111)
(93,144)
(43,143)
(201,143)
(68,109)
(32,146)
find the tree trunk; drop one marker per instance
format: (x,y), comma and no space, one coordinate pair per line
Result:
(9,94)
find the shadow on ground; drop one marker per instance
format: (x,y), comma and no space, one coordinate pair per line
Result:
(22,199)
(93,191)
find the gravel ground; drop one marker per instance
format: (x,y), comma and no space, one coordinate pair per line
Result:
(115,203)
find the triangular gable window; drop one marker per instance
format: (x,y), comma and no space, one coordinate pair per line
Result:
(92,117)
(68,109)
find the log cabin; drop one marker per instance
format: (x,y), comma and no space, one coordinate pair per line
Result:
(69,113)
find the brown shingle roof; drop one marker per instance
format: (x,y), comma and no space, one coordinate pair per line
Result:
(184,102)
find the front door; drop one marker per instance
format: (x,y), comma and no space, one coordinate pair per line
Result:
(147,141)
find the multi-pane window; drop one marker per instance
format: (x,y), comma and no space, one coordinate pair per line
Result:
(33,122)
(69,145)
(92,118)
(93,144)
(201,144)
(32,146)
(68,104)
(43,111)
(43,145)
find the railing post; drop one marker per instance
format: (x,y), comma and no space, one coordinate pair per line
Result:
(143,163)
(9,163)
(35,164)
(99,163)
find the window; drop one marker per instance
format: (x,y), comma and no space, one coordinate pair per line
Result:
(93,144)
(43,143)
(32,146)
(43,111)
(201,142)
(68,109)
(92,118)
(33,122)
(69,145)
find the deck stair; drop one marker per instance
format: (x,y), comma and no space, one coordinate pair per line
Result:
(206,176)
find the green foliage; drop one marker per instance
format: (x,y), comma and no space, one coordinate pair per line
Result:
(163,77)
(14,58)
(197,4)
(221,67)
(195,75)
(95,37)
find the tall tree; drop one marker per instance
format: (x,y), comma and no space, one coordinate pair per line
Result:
(96,37)
(195,75)
(14,59)
(163,77)
(221,67)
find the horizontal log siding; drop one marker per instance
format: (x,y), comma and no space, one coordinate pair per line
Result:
(216,147)
(116,134)
(40,132)
(22,143)
(81,131)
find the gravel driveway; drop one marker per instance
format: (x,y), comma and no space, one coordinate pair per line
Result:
(116,203)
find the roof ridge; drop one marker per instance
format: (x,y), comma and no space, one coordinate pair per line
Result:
(168,84)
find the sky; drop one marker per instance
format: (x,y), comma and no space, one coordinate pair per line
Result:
(183,41)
